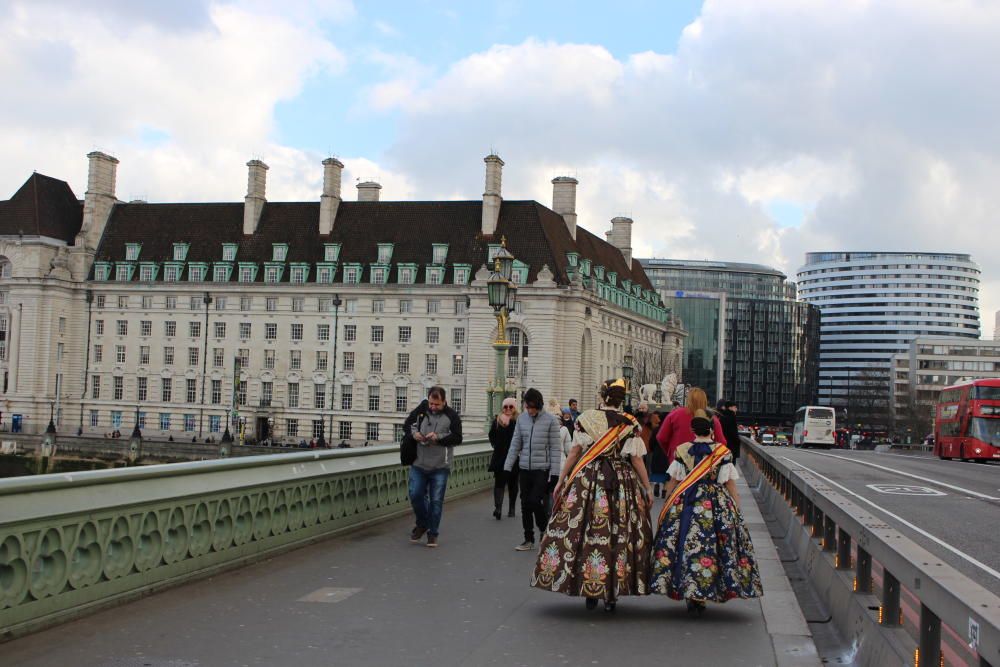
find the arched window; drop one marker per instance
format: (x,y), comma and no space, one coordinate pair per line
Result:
(5,268)
(517,355)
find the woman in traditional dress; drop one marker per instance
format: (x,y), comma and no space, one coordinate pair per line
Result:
(598,539)
(702,551)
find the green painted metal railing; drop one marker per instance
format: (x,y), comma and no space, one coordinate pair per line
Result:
(74,543)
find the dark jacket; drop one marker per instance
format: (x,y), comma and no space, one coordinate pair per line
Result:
(500,437)
(730,430)
(447,424)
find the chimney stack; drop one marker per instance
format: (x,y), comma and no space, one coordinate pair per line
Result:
(330,201)
(620,237)
(253,204)
(564,200)
(368,191)
(99,198)
(491,197)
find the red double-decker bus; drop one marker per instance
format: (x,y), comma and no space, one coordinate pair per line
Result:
(967,421)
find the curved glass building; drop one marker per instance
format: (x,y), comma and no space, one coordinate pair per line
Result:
(873,304)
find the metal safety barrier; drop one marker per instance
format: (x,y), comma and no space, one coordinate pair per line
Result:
(840,543)
(72,543)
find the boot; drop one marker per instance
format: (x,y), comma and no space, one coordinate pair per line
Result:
(510,511)
(497,502)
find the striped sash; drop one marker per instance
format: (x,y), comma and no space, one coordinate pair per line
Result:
(703,468)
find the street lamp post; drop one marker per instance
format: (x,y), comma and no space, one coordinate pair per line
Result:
(48,449)
(501,294)
(135,442)
(333,375)
(627,371)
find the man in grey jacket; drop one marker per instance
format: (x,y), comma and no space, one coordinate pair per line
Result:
(536,449)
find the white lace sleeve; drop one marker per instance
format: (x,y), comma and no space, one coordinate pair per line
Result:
(677,470)
(727,471)
(583,440)
(634,447)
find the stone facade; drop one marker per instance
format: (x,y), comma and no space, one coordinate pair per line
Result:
(145,308)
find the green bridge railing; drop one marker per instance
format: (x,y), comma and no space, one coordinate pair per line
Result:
(76,542)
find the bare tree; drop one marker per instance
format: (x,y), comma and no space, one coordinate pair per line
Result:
(868,399)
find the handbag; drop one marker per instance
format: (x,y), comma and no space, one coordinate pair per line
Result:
(408,449)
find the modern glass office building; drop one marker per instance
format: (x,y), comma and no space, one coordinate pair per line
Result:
(747,334)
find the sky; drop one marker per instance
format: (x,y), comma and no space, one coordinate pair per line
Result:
(730,130)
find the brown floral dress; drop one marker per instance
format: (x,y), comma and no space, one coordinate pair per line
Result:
(598,539)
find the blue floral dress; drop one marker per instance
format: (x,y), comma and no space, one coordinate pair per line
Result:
(702,550)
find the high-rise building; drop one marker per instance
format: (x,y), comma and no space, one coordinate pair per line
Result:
(749,339)
(874,304)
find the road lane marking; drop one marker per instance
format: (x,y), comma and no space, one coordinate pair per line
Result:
(961,554)
(934,459)
(905,490)
(907,474)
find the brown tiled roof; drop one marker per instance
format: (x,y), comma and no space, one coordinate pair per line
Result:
(535,234)
(43,206)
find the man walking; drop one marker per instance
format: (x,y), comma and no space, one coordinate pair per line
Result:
(536,449)
(437,429)
(726,412)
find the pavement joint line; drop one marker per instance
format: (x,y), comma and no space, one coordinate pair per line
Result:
(961,554)
(907,474)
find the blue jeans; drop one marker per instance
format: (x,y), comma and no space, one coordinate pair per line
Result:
(427,489)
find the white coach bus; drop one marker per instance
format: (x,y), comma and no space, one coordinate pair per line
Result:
(815,426)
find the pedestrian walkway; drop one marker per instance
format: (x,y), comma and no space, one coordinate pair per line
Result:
(372,598)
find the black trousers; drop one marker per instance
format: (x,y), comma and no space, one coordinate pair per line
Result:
(534,509)
(505,480)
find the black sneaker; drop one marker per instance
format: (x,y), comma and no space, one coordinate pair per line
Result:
(525,546)
(432,541)
(417,533)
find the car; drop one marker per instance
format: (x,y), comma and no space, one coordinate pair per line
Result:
(767,439)
(781,440)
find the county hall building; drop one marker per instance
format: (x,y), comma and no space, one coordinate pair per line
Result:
(340,313)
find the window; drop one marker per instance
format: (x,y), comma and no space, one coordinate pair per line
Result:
(457,365)
(121,327)
(405,306)
(298,304)
(397,432)
(298,275)
(166,390)
(295,360)
(403,362)
(319,396)
(461,307)
(401,403)
(351,275)
(193,303)
(293,394)
(94,420)
(95,386)
(348,362)
(220,303)
(321,360)
(189,423)
(439,253)
(456,400)
(241,393)
(266,394)
(120,354)
(119,387)
(435,276)
(246,303)
(192,393)
(459,335)
(247,274)
(432,335)
(170,329)
(433,306)
(270,331)
(461,277)
(220,329)
(297,331)
(371,432)
(180,252)
(146,328)
(171,274)
(378,332)
(228,252)
(98,354)
(279,252)
(216,392)
(220,274)
(317,428)
(98,327)
(170,303)
(292,427)
(218,357)
(373,398)
(324,275)
(323,332)
(244,330)
(168,356)
(331,252)
(350,333)
(116,418)
(406,276)
(378,276)
(122,272)
(214,423)
(430,364)
(344,430)
(375,362)
(517,354)
(271,303)
(147,303)
(194,329)
(164,421)
(350,305)
(272,274)
(192,356)
(196,274)
(347,399)
(269,359)
(378,305)
(143,355)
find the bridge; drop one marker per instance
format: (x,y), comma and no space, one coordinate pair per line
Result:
(303,558)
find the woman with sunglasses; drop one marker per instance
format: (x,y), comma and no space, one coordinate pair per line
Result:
(501,433)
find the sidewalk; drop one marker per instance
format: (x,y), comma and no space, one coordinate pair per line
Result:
(371,598)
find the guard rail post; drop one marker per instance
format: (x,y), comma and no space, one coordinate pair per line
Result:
(890,611)
(843,549)
(863,574)
(829,535)
(929,652)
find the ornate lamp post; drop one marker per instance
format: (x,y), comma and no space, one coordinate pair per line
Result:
(226,444)
(48,449)
(501,295)
(333,375)
(627,371)
(135,442)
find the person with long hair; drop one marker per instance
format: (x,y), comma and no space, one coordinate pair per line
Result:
(501,433)
(702,551)
(675,430)
(597,543)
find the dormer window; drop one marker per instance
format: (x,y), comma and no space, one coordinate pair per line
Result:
(101,271)
(573,258)
(435,275)
(352,274)
(123,272)
(331,252)
(599,272)
(220,273)
(324,273)
(585,267)
(248,272)
(228,252)
(384,253)
(406,274)
(196,273)
(378,276)
(272,274)
(181,251)
(461,275)
(279,251)
(440,253)
(132,251)
(299,274)
(171,273)
(147,273)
